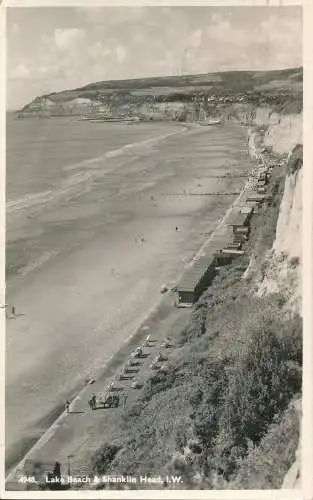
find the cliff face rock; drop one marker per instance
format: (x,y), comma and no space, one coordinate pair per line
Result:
(284,133)
(288,233)
(225,94)
(284,268)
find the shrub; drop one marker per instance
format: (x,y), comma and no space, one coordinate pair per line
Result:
(290,338)
(197,325)
(295,161)
(179,462)
(134,411)
(180,438)
(103,457)
(266,464)
(159,382)
(260,385)
(294,261)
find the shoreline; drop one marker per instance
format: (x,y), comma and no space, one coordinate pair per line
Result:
(136,331)
(50,197)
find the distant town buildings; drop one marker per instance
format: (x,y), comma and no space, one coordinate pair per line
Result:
(160,103)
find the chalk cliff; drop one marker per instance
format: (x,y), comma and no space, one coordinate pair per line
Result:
(284,263)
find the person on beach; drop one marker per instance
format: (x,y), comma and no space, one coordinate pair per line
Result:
(94,401)
(125,401)
(166,343)
(139,352)
(147,341)
(67,406)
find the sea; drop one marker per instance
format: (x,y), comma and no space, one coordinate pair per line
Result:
(43,153)
(50,162)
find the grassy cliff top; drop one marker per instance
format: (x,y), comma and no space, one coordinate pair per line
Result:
(229,82)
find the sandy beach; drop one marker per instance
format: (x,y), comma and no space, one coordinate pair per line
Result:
(98,245)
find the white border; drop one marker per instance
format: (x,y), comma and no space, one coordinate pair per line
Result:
(306,492)
(2,234)
(307,273)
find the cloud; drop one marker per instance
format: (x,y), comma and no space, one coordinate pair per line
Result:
(112,15)
(275,42)
(121,53)
(65,38)
(67,48)
(138,37)
(282,38)
(98,50)
(216,18)
(20,72)
(196,38)
(222,31)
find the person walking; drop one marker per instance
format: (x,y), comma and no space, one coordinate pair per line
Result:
(13,311)
(67,406)
(147,341)
(125,401)
(94,401)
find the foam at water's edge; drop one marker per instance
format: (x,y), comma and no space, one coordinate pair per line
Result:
(69,186)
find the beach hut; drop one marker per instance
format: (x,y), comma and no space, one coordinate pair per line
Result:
(222,259)
(239,219)
(243,230)
(232,251)
(247,210)
(261,183)
(259,198)
(254,205)
(195,280)
(240,223)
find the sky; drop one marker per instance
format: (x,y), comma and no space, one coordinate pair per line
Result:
(56,48)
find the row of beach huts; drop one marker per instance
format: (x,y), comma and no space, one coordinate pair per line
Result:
(199,276)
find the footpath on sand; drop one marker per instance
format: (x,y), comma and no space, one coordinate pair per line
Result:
(75,436)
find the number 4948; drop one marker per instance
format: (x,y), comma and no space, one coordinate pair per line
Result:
(27,479)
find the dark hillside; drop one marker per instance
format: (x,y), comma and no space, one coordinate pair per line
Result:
(245,85)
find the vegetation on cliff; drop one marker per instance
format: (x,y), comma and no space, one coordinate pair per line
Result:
(274,88)
(222,416)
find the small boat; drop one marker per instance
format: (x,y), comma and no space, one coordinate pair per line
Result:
(211,122)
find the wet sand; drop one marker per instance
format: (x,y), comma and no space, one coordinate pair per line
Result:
(91,279)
